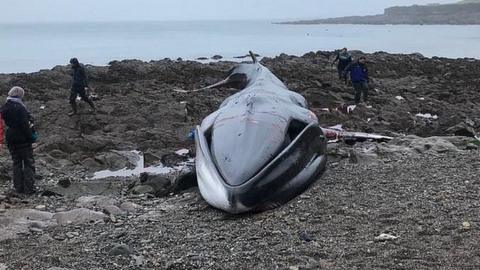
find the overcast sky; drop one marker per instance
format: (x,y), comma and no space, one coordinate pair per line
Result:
(133,10)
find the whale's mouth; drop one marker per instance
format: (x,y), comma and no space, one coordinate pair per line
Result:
(240,156)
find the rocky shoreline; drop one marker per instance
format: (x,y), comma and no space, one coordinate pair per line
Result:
(409,203)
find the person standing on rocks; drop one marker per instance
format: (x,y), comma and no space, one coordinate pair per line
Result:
(2,131)
(344,59)
(359,75)
(79,86)
(20,136)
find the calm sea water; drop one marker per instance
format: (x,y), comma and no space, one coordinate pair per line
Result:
(30,47)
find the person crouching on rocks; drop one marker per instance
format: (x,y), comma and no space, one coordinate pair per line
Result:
(344,59)
(79,86)
(20,137)
(359,76)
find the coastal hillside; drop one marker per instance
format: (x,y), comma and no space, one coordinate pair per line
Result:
(464,12)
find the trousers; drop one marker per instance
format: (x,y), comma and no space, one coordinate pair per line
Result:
(23,168)
(360,88)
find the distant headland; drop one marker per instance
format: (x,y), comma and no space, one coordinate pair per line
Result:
(461,13)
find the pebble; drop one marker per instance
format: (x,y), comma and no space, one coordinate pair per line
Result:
(120,249)
(306,237)
(139,260)
(41,207)
(466,225)
(72,234)
(385,237)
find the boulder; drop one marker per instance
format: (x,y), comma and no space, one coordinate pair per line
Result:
(20,221)
(79,216)
(95,201)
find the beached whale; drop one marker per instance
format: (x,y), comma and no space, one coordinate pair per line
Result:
(261,148)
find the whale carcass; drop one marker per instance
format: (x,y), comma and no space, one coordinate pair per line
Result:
(261,148)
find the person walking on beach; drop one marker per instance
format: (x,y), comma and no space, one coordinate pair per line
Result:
(20,135)
(359,75)
(79,86)
(344,59)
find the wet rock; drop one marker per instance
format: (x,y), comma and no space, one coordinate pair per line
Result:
(120,249)
(202,58)
(462,130)
(79,216)
(185,180)
(151,159)
(64,183)
(160,185)
(113,210)
(217,57)
(471,146)
(142,189)
(307,237)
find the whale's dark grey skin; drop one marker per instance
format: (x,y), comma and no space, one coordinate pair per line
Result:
(261,148)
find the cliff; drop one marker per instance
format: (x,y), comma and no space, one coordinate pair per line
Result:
(465,12)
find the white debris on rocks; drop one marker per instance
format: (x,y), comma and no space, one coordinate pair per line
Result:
(400,98)
(140,167)
(182,152)
(427,116)
(385,237)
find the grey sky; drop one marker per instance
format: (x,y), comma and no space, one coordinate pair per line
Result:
(128,10)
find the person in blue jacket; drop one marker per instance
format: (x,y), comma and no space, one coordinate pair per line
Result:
(359,75)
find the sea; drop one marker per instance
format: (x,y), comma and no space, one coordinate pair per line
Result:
(32,47)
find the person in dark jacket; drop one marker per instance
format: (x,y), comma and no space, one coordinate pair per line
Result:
(20,137)
(79,86)
(359,75)
(344,59)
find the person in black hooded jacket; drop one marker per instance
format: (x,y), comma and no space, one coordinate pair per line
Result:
(20,136)
(79,86)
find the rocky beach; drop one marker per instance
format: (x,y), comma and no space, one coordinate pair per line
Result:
(411,203)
